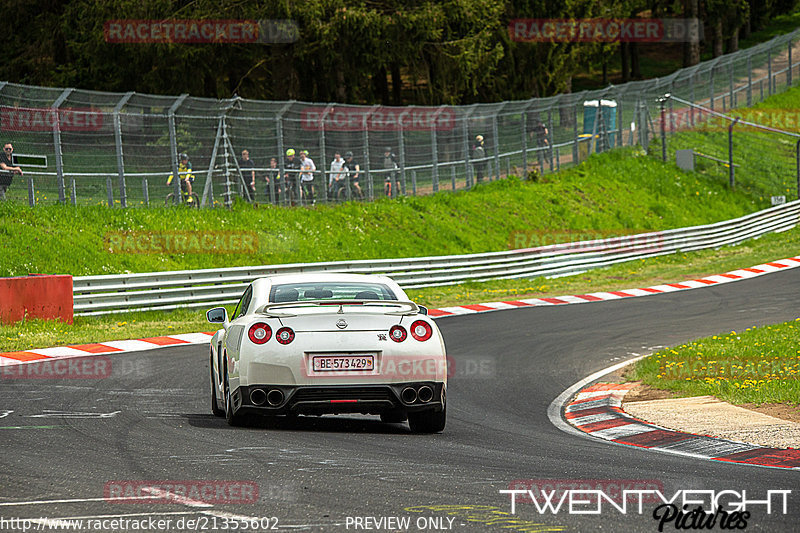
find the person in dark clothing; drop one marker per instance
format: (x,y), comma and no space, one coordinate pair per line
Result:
(353,173)
(291,175)
(248,169)
(390,180)
(7,169)
(273,175)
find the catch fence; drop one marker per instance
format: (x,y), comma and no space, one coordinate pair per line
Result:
(119,149)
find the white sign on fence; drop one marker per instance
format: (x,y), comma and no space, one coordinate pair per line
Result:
(778,200)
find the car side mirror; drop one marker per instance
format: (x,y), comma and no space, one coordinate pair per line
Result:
(218,315)
(423,310)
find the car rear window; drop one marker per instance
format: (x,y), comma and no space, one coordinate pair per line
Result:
(298,292)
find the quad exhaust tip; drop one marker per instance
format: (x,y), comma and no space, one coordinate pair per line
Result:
(409,395)
(275,397)
(258,396)
(425,394)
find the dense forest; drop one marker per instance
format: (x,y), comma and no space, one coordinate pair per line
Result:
(354,51)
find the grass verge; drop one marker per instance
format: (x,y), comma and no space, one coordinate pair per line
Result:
(677,267)
(760,366)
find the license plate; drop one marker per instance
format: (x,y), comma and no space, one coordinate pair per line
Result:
(342,363)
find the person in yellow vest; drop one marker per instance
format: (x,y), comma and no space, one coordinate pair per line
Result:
(186,176)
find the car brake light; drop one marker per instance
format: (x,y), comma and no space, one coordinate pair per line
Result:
(421,330)
(398,333)
(284,335)
(259,333)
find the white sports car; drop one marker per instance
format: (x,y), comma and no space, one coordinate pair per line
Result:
(327,344)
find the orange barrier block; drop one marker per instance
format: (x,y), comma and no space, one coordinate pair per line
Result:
(36,296)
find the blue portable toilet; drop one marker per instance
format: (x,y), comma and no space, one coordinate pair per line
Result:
(590,113)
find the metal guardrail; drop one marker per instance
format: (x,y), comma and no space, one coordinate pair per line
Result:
(95,295)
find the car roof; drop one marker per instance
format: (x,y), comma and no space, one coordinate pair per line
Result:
(312,277)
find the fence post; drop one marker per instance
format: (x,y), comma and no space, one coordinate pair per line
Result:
(797,166)
(732,97)
(496,141)
(453,177)
(62,194)
(282,152)
(414,182)
(789,70)
(73,192)
(110,191)
(749,81)
(435,149)
(691,98)
(401,150)
(525,139)
(370,190)
(576,157)
(730,153)
(146,192)
(550,136)
(173,143)
(208,190)
(769,71)
(662,104)
(323,153)
(123,192)
(31,192)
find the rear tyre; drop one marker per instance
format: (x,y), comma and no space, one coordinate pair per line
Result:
(214,405)
(393,417)
(427,421)
(236,420)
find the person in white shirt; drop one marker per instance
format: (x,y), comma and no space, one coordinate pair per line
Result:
(336,179)
(307,168)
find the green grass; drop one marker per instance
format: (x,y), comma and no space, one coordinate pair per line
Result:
(759,365)
(621,191)
(634,274)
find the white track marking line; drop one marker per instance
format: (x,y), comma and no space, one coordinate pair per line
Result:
(556,406)
(74,500)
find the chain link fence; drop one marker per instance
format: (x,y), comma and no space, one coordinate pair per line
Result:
(120,149)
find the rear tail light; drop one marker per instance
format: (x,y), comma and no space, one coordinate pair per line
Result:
(398,333)
(284,335)
(421,330)
(259,333)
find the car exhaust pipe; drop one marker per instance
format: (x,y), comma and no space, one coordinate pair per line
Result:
(409,395)
(425,394)
(275,397)
(258,396)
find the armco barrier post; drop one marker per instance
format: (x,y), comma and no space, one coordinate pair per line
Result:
(730,153)
(48,297)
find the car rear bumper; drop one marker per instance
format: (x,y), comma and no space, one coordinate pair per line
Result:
(335,399)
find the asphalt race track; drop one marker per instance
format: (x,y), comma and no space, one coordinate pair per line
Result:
(63,441)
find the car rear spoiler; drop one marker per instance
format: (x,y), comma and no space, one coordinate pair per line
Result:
(337,306)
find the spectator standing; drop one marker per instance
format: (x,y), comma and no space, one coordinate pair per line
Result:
(307,168)
(248,169)
(291,167)
(479,158)
(336,179)
(541,136)
(390,164)
(274,175)
(7,166)
(353,173)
